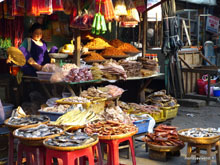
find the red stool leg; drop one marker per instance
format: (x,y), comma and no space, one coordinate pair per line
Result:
(11,149)
(115,152)
(19,154)
(132,151)
(97,150)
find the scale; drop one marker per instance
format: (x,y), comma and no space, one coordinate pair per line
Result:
(59,58)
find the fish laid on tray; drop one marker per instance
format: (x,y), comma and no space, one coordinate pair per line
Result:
(77,138)
(27,120)
(38,131)
(164,136)
(104,128)
(201,132)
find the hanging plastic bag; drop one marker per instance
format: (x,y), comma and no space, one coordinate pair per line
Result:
(18,7)
(132,12)
(140,5)
(68,6)
(45,7)
(120,8)
(32,8)
(106,9)
(57,5)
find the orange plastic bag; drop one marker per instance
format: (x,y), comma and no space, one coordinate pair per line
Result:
(106,9)
(18,7)
(45,7)
(32,8)
(57,5)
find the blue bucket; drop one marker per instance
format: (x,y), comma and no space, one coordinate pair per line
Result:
(7,110)
(216,93)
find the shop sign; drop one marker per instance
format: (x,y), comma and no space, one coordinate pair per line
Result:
(212,24)
(151,14)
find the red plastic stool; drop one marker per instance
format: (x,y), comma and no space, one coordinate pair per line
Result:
(69,157)
(34,155)
(113,154)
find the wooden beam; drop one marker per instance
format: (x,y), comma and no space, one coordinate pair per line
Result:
(76,56)
(144,42)
(186,31)
(155,5)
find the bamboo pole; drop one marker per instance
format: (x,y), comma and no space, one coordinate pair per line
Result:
(76,56)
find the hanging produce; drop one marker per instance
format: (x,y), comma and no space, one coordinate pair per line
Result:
(32,8)
(107,9)
(82,21)
(99,24)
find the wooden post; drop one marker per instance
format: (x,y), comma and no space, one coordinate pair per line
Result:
(144,45)
(76,56)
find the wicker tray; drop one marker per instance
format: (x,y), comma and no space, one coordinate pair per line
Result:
(115,137)
(69,148)
(115,56)
(164,148)
(33,141)
(198,140)
(14,127)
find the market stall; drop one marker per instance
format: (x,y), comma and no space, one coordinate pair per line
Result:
(93,115)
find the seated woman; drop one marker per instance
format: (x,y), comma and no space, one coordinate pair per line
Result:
(35,51)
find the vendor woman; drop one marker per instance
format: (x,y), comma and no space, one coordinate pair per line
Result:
(35,51)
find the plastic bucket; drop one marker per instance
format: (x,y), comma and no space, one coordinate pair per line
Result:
(7,110)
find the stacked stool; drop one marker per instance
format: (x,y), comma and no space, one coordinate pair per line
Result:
(113,153)
(70,157)
(34,155)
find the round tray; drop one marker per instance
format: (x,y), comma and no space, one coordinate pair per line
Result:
(58,55)
(38,141)
(14,127)
(73,127)
(164,148)
(70,148)
(198,140)
(115,57)
(114,137)
(132,53)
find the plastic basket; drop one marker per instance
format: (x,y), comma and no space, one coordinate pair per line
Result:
(142,125)
(170,112)
(44,75)
(52,115)
(158,117)
(7,110)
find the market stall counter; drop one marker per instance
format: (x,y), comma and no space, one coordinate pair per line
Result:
(145,81)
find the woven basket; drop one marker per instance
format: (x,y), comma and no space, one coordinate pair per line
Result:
(164,148)
(37,141)
(14,127)
(70,148)
(198,140)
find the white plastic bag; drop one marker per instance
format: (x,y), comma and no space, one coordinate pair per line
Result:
(2,112)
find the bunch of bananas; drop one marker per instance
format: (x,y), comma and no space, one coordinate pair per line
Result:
(76,117)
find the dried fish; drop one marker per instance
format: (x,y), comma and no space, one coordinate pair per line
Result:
(71,139)
(28,120)
(38,131)
(201,132)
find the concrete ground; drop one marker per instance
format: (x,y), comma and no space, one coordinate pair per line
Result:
(207,116)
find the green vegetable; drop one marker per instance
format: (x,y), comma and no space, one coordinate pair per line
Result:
(98,23)
(94,21)
(103,24)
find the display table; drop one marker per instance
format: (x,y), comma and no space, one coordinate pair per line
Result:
(144,82)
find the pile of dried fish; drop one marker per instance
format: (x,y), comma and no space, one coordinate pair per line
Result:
(108,91)
(104,128)
(143,108)
(27,120)
(164,136)
(148,63)
(201,132)
(62,108)
(160,99)
(74,99)
(38,131)
(77,138)
(132,68)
